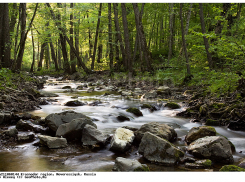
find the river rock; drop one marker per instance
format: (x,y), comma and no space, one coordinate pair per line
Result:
(73,129)
(242,163)
(123,164)
(52,142)
(76,76)
(74,103)
(199,132)
(122,140)
(172,105)
(135,111)
(156,149)
(66,87)
(199,164)
(92,136)
(216,148)
(126,93)
(26,137)
(151,95)
(28,126)
(95,103)
(11,132)
(122,118)
(56,119)
(163,90)
(159,129)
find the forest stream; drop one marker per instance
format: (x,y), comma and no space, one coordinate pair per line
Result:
(27,157)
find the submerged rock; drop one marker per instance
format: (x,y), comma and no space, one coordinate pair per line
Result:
(74,129)
(159,129)
(123,164)
(122,118)
(122,140)
(28,126)
(216,148)
(56,119)
(92,136)
(74,103)
(156,149)
(52,142)
(66,87)
(199,132)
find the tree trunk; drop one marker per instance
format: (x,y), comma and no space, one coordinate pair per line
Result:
(96,37)
(76,33)
(4,36)
(186,27)
(40,64)
(183,41)
(90,41)
(53,56)
(139,28)
(72,55)
(33,52)
(209,57)
(59,54)
(110,36)
(171,16)
(100,47)
(152,29)
(119,33)
(129,64)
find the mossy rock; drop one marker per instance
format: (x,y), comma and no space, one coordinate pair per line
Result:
(203,109)
(66,87)
(162,100)
(144,167)
(231,168)
(172,105)
(148,106)
(217,105)
(135,111)
(211,122)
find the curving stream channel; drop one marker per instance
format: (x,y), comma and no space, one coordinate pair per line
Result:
(26,157)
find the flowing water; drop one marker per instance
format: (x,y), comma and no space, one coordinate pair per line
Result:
(26,157)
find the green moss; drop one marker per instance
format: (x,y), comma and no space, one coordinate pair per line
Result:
(172,105)
(211,122)
(207,163)
(231,168)
(211,128)
(142,168)
(217,105)
(162,100)
(135,111)
(146,106)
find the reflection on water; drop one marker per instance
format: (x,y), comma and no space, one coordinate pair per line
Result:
(29,158)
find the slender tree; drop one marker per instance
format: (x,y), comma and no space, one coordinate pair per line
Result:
(171,21)
(110,36)
(183,41)
(142,39)
(128,56)
(96,37)
(210,62)
(72,55)
(33,52)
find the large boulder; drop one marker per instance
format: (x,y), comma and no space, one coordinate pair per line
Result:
(123,164)
(122,140)
(52,142)
(199,132)
(156,149)
(215,148)
(159,129)
(56,119)
(73,129)
(92,136)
